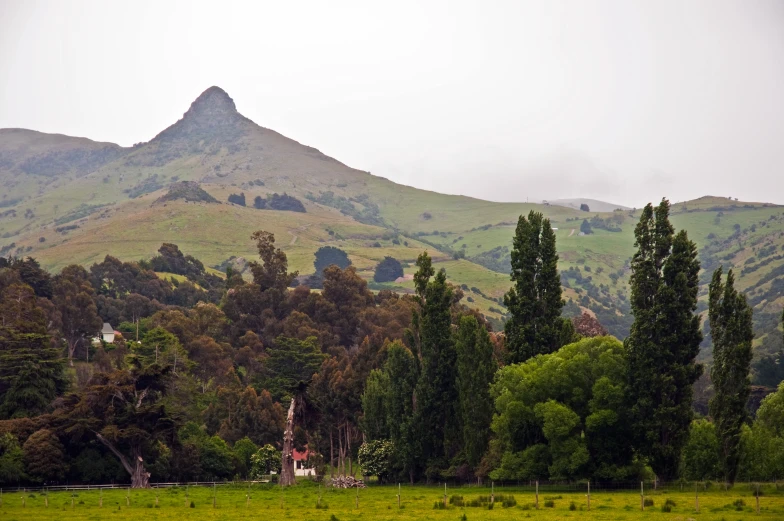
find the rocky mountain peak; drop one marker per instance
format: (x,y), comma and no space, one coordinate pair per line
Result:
(213,115)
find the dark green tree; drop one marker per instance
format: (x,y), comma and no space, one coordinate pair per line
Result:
(290,366)
(664,339)
(11,460)
(31,368)
(436,393)
(388,270)
(126,412)
(329,255)
(585,227)
(73,298)
(731,329)
(400,370)
(44,457)
(534,301)
(475,370)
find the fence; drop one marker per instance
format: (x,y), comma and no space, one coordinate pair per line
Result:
(521,486)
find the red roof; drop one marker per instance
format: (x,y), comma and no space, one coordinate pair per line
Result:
(301,456)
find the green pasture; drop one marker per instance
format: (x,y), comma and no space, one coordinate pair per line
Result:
(309,501)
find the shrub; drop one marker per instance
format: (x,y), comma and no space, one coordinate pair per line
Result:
(549,503)
(648,502)
(572,506)
(237,199)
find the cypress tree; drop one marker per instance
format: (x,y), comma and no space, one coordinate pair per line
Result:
(534,300)
(731,328)
(664,339)
(31,367)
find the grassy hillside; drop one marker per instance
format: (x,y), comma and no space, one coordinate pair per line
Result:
(67,200)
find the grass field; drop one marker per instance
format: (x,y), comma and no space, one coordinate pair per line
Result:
(266,502)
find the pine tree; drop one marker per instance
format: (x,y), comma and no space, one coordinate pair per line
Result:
(475,370)
(731,328)
(664,339)
(534,301)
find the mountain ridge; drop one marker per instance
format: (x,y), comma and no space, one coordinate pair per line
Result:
(92,198)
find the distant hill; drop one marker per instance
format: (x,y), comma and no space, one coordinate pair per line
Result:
(593,204)
(67,199)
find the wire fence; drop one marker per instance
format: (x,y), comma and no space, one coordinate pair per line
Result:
(643,487)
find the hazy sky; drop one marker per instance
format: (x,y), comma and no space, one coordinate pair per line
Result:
(506,100)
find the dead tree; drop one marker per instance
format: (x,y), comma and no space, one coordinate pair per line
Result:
(287,455)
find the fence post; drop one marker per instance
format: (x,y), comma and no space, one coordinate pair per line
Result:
(128,496)
(100,498)
(537,494)
(398,495)
(642,496)
(492,492)
(214,492)
(357,488)
(46,498)
(697,498)
(589,494)
(757,498)
(444,494)
(24,502)
(157,493)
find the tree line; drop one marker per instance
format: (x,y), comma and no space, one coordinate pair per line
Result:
(215,378)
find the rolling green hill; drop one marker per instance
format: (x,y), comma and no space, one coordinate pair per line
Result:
(67,200)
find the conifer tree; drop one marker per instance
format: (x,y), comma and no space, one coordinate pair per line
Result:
(534,301)
(731,328)
(664,339)
(31,368)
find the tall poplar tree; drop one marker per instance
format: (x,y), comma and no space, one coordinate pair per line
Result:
(475,370)
(664,339)
(534,300)
(731,328)
(436,393)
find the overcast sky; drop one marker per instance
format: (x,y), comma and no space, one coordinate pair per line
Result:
(505,100)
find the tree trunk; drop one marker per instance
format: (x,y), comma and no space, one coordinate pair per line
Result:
(331,454)
(341,453)
(348,450)
(287,456)
(140,478)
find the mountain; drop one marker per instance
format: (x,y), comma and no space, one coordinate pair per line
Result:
(67,200)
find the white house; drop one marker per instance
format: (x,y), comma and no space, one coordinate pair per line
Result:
(107,333)
(301,464)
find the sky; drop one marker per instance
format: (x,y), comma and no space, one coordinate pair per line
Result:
(622,101)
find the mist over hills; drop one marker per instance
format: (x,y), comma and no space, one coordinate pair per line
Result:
(67,199)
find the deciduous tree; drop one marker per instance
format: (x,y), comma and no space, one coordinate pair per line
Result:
(535,325)
(664,339)
(731,330)
(475,370)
